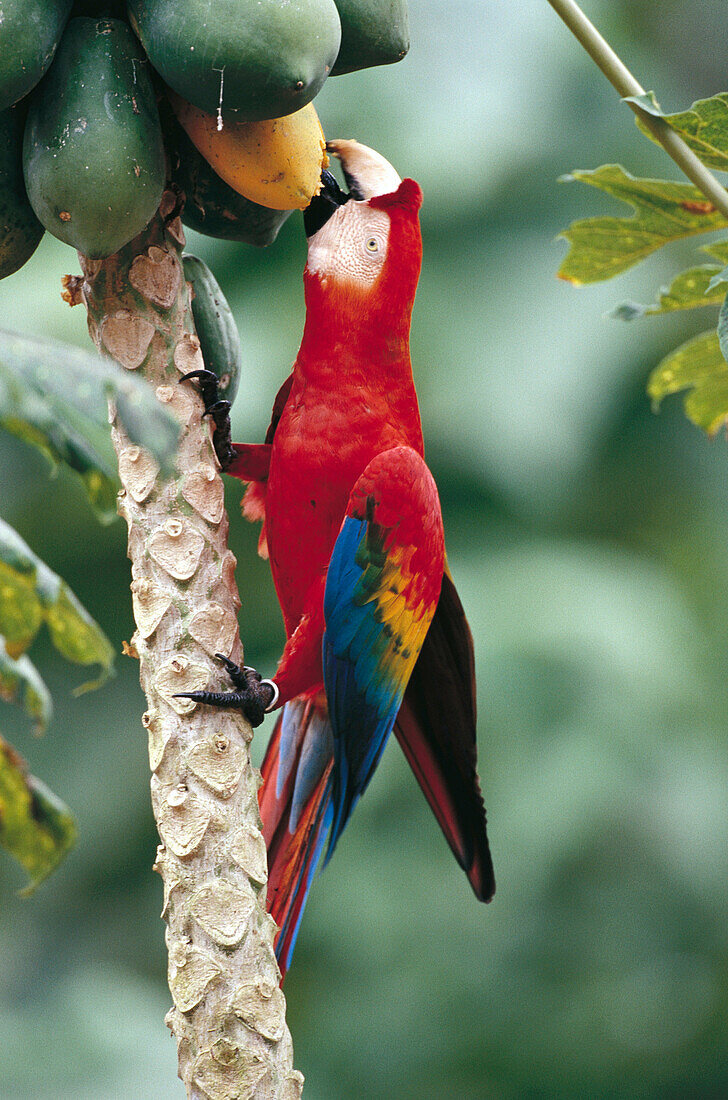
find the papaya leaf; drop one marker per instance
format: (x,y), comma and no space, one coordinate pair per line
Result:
(691,288)
(73,632)
(723,329)
(35,423)
(21,684)
(717,249)
(35,826)
(697,366)
(20,611)
(716,283)
(663,212)
(697,286)
(31,593)
(704,126)
(55,397)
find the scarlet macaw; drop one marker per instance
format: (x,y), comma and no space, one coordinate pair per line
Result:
(376,635)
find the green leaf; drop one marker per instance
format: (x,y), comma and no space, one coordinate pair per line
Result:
(664,212)
(698,366)
(688,290)
(716,282)
(21,684)
(56,397)
(35,826)
(704,126)
(31,593)
(74,633)
(723,329)
(717,249)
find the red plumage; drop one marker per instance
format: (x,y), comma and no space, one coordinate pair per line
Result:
(346,430)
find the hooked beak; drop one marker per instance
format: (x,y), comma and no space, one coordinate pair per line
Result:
(323,205)
(367,173)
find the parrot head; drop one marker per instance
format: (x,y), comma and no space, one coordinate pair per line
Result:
(364,247)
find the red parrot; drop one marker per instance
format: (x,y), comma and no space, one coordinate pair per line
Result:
(376,636)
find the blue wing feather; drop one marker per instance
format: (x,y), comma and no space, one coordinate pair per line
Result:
(382,587)
(363,696)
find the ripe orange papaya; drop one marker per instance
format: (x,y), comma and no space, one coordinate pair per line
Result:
(276,162)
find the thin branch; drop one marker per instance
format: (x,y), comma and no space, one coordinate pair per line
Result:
(622,79)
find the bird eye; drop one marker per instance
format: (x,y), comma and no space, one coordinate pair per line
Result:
(372,244)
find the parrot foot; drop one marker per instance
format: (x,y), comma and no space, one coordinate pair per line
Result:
(253,695)
(218,410)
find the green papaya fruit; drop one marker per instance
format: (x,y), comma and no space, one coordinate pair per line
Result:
(251,59)
(93,153)
(100,9)
(30,31)
(215,326)
(211,206)
(20,230)
(373,32)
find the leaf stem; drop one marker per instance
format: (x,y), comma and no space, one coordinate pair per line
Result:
(622,79)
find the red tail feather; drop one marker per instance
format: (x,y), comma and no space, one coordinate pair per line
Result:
(292,857)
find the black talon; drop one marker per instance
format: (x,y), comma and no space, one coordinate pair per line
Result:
(209,383)
(219,410)
(201,373)
(252,696)
(237,674)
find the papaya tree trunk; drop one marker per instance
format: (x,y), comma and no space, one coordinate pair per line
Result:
(228,1013)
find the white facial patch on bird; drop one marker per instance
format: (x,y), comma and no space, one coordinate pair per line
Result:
(351,245)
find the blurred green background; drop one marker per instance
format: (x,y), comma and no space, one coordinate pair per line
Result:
(588,538)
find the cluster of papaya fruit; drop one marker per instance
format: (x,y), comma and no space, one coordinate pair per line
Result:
(102,102)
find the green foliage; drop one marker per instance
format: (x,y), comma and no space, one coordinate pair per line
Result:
(697,366)
(664,212)
(20,684)
(690,289)
(32,594)
(35,826)
(56,397)
(704,126)
(695,287)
